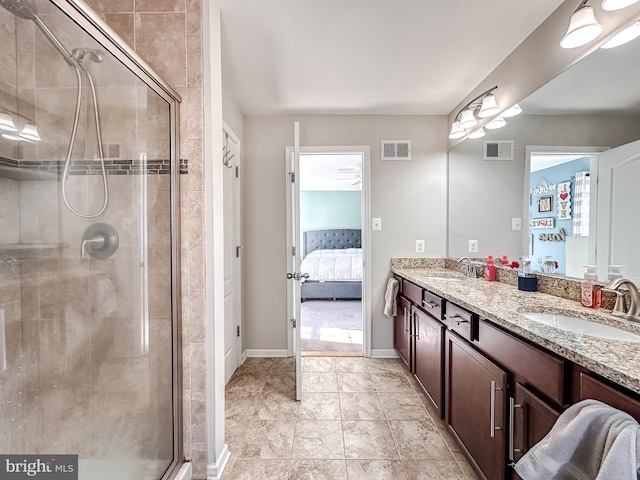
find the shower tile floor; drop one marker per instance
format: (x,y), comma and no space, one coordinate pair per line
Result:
(359,419)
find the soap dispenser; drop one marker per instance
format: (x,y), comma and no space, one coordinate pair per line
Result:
(490,269)
(614,272)
(590,292)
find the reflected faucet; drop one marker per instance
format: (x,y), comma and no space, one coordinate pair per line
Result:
(620,308)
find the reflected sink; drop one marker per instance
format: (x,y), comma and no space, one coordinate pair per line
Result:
(582,326)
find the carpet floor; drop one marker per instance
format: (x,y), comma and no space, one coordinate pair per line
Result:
(331,325)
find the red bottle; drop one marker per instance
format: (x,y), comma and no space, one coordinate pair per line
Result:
(490,269)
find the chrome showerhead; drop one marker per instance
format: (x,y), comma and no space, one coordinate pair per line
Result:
(21,8)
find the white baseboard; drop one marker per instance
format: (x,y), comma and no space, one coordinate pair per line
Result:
(266,352)
(215,470)
(383,353)
(185,472)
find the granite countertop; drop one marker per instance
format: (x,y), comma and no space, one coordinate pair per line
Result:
(616,360)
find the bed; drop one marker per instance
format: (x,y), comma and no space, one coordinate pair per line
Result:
(333,259)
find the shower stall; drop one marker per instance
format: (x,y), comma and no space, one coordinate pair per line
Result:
(89,247)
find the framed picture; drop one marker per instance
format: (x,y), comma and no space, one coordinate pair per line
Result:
(544,204)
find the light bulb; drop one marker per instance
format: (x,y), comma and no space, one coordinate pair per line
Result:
(625,36)
(468,120)
(456,130)
(478,133)
(583,27)
(497,122)
(616,4)
(511,112)
(489,106)
(6,123)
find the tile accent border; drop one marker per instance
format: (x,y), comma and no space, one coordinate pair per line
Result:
(92,167)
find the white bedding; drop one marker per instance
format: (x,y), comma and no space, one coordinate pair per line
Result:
(333,265)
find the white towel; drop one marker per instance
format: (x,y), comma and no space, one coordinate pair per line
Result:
(390,305)
(590,441)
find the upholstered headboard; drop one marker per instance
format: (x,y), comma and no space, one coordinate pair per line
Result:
(330,239)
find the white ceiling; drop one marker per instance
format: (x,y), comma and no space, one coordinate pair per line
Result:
(367,56)
(330,172)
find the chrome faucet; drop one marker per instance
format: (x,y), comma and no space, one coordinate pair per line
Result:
(620,309)
(469,267)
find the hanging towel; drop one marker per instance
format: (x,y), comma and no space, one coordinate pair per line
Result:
(390,306)
(590,441)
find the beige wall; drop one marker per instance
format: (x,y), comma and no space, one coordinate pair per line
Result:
(409,196)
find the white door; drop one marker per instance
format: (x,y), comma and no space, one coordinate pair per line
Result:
(293,253)
(618,199)
(231,192)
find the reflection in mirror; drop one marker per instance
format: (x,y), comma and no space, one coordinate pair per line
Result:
(593,106)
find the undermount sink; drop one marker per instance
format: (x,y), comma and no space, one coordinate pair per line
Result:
(582,326)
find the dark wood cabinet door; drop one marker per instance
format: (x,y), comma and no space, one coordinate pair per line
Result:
(402,331)
(476,406)
(532,419)
(429,357)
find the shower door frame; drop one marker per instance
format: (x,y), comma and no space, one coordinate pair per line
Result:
(93,25)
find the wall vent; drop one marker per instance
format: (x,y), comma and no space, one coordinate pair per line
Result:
(395,150)
(498,150)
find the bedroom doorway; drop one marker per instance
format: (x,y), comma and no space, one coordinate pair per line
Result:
(331,213)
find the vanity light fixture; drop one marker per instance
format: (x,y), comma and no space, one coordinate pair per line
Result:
(6,123)
(478,133)
(456,130)
(616,4)
(489,106)
(15,126)
(583,27)
(625,36)
(511,111)
(484,104)
(497,122)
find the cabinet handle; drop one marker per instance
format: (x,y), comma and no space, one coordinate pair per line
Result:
(455,319)
(429,304)
(412,317)
(512,420)
(494,389)
(405,320)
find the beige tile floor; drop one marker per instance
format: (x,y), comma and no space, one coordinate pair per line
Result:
(359,419)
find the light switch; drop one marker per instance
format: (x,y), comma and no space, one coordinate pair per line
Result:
(376,224)
(473,246)
(516,224)
(419,246)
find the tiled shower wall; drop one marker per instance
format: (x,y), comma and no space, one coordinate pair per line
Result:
(167,34)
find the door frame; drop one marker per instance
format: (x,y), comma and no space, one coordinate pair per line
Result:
(237,273)
(365,150)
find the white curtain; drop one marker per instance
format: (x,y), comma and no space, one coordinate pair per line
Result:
(581,194)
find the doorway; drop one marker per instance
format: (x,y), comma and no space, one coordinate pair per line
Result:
(333,250)
(331,208)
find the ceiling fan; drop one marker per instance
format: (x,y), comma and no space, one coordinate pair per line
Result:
(353,174)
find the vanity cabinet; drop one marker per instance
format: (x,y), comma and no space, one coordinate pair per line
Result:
(476,405)
(429,356)
(402,331)
(531,418)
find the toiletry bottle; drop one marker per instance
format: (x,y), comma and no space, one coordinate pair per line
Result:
(505,260)
(614,272)
(490,269)
(590,292)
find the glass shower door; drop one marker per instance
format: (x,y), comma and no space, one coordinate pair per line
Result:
(88,307)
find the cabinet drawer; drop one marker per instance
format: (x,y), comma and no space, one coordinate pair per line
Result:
(593,388)
(459,320)
(432,304)
(412,292)
(531,365)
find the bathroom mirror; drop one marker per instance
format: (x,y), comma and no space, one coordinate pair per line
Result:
(592,107)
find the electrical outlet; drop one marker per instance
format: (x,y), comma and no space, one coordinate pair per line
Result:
(419,246)
(473,246)
(516,224)
(376,224)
